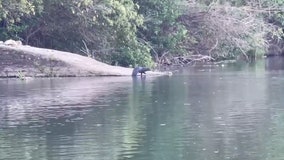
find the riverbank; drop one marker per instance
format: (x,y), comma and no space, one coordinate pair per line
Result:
(18,60)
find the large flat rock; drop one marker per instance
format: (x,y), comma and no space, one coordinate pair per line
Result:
(38,62)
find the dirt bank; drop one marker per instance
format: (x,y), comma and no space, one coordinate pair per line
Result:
(21,60)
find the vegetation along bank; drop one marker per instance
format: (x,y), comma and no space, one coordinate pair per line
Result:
(147,32)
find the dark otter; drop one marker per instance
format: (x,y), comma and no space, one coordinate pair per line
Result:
(140,70)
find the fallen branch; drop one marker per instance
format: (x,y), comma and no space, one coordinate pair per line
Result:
(186,60)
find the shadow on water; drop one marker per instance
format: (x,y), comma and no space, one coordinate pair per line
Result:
(274,63)
(275,144)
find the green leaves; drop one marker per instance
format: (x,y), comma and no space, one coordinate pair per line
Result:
(110,28)
(161,27)
(120,21)
(12,12)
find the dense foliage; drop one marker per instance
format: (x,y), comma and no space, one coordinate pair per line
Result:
(140,32)
(234,28)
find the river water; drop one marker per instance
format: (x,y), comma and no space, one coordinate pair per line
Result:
(200,113)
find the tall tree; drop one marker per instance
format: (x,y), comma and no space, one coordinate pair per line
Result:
(105,30)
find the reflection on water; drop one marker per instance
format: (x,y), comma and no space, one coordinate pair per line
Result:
(275,63)
(199,113)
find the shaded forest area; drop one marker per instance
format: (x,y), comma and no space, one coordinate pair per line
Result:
(147,32)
